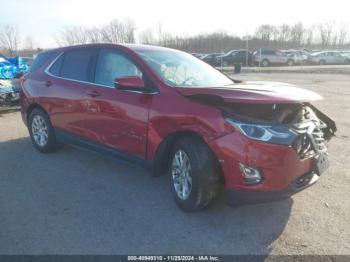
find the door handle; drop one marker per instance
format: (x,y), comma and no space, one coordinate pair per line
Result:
(48,83)
(92,93)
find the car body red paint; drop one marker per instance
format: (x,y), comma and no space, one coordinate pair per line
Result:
(257,93)
(138,123)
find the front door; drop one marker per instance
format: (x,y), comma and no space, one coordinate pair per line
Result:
(121,120)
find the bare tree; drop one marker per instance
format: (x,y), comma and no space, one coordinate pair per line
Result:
(284,33)
(309,35)
(9,38)
(119,32)
(147,37)
(94,35)
(343,34)
(265,32)
(325,34)
(28,43)
(72,36)
(297,34)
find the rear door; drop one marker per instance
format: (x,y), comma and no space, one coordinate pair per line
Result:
(71,89)
(328,57)
(338,58)
(281,58)
(271,56)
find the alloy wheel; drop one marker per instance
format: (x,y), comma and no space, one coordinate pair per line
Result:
(39,130)
(181,174)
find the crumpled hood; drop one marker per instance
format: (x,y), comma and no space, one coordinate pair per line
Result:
(255,92)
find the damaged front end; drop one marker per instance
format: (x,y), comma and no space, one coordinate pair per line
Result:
(299,125)
(276,114)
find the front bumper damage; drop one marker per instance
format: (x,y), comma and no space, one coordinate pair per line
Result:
(285,169)
(236,197)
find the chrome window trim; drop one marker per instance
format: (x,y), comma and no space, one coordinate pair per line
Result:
(47,72)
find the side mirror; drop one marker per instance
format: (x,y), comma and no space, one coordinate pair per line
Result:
(129,82)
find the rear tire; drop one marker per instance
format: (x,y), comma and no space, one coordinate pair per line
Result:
(290,62)
(199,177)
(322,62)
(41,131)
(265,63)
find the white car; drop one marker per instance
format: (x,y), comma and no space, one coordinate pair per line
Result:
(299,56)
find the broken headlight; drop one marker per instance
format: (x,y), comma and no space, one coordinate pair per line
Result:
(276,134)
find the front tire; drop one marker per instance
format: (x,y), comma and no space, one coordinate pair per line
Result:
(194,174)
(41,131)
(290,62)
(265,63)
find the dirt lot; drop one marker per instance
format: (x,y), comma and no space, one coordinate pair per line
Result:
(78,202)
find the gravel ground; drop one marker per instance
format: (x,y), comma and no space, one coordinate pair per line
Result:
(78,202)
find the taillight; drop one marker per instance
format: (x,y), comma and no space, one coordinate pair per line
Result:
(21,81)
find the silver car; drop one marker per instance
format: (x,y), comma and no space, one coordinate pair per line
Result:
(329,58)
(300,56)
(267,57)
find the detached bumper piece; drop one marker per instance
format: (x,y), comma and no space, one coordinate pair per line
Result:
(237,198)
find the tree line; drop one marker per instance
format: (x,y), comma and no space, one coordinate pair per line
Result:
(317,36)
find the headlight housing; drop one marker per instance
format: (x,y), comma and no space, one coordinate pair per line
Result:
(276,134)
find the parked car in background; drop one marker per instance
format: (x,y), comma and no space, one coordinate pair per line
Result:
(233,57)
(328,58)
(210,58)
(197,55)
(300,56)
(28,61)
(345,54)
(267,57)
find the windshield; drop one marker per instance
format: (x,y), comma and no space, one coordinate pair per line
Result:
(180,69)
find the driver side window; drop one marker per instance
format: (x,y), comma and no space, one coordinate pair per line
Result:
(111,65)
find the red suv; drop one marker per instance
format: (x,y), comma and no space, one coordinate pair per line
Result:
(173,113)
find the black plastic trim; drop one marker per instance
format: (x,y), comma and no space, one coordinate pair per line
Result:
(236,197)
(74,140)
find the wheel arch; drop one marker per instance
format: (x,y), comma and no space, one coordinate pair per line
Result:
(162,154)
(31,108)
(322,61)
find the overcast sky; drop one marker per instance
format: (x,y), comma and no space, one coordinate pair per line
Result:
(42,19)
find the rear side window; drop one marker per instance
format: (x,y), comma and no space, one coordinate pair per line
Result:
(40,60)
(55,69)
(268,52)
(76,64)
